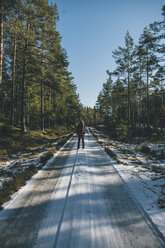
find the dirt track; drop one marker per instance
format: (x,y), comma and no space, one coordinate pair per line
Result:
(87,206)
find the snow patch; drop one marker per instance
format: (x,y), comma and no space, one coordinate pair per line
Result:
(143,173)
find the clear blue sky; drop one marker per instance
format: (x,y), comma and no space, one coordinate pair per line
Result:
(92,29)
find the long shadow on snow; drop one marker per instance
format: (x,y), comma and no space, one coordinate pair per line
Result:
(22,224)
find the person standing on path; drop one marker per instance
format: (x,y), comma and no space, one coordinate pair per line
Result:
(80,133)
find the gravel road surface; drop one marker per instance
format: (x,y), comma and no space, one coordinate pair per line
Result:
(77,201)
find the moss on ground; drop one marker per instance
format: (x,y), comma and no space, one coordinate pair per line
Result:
(19,180)
(13,141)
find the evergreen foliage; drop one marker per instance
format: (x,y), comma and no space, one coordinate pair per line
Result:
(37,90)
(132,101)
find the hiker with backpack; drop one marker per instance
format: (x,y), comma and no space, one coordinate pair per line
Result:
(80,133)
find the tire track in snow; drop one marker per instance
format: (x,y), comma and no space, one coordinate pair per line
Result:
(65,202)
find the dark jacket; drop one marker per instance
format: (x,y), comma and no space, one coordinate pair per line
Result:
(81,128)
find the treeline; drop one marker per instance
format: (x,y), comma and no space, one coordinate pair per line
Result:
(132,100)
(36,88)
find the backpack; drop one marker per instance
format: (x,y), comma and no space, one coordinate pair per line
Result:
(81,128)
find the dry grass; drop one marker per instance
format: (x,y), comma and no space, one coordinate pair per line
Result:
(13,141)
(19,180)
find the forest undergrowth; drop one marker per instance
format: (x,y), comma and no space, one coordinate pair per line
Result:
(23,155)
(13,142)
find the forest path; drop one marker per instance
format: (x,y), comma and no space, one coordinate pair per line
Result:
(77,201)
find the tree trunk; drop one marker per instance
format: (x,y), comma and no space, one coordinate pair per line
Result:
(147,94)
(140,107)
(42,106)
(155,111)
(45,90)
(129,109)
(13,81)
(1,39)
(162,107)
(27,109)
(23,76)
(23,88)
(49,126)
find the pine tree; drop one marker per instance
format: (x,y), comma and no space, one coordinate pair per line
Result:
(147,41)
(38,86)
(124,58)
(139,79)
(14,28)
(1,37)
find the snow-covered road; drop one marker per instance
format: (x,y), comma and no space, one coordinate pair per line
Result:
(87,206)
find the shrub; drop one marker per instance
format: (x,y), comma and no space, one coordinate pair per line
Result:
(145,149)
(110,153)
(46,157)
